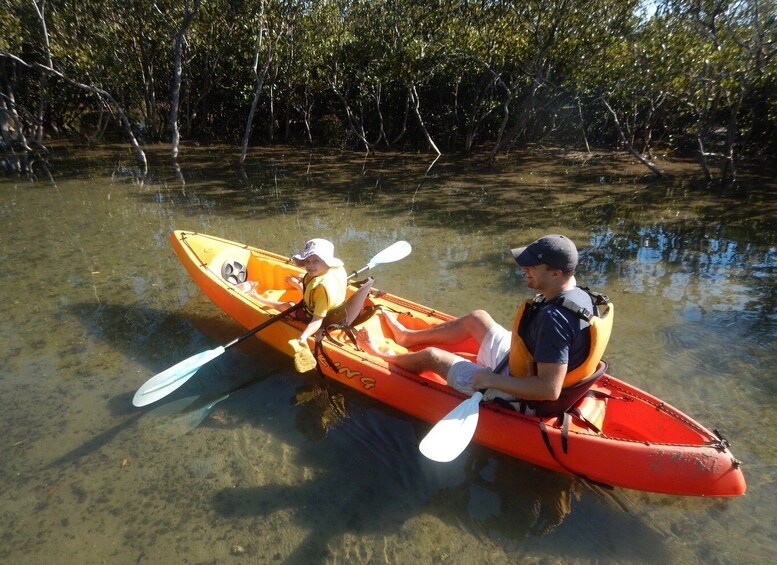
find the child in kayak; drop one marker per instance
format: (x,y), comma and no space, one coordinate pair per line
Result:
(323,285)
(323,288)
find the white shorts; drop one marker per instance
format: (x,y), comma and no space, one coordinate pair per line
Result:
(493,348)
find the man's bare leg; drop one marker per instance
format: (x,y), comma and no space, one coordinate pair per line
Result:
(473,325)
(429,358)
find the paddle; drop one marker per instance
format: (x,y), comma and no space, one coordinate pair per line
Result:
(186,422)
(451,435)
(170,379)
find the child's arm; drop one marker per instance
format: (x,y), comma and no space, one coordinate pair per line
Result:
(296,282)
(312,328)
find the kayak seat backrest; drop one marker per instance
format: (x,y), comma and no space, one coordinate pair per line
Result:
(346,314)
(587,414)
(271,275)
(569,396)
(582,410)
(342,318)
(355,303)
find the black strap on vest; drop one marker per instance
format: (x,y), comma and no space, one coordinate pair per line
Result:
(539,302)
(344,318)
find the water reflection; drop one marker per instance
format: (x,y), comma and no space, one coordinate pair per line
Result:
(322,410)
(297,470)
(366,478)
(507,501)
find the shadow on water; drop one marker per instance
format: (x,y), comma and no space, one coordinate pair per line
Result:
(365,452)
(119,325)
(173,417)
(371,480)
(159,339)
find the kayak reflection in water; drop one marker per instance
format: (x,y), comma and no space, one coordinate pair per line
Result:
(505,499)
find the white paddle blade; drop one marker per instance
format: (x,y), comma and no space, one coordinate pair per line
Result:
(446,440)
(170,379)
(186,422)
(394,252)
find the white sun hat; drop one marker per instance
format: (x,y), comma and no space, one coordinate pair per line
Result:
(323,249)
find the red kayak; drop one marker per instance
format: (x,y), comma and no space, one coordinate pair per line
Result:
(622,436)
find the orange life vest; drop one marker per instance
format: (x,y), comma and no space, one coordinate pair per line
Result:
(601,328)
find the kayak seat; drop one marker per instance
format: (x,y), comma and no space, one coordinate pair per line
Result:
(587,415)
(342,320)
(346,314)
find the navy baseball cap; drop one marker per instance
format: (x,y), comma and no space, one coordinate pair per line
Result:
(556,251)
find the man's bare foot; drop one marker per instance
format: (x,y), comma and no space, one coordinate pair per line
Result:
(397,329)
(366,342)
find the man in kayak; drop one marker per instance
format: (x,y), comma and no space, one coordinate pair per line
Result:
(558,338)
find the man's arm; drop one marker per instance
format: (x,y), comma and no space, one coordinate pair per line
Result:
(545,385)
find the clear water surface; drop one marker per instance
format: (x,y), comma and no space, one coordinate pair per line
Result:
(292,469)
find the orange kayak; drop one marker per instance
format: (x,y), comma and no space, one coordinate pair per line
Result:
(626,438)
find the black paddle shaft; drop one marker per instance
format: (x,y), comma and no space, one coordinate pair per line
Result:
(260,327)
(277,317)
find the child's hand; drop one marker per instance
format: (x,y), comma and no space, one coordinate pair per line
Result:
(294,281)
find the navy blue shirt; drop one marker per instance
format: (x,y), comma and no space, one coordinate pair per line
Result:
(558,335)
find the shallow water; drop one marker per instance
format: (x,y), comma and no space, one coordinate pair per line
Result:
(288,468)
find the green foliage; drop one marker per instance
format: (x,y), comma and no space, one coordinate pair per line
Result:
(488,71)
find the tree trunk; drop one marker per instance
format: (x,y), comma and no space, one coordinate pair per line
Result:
(403,129)
(478,116)
(629,146)
(527,109)
(271,113)
(355,125)
(40,9)
(582,125)
(377,93)
(417,110)
(141,156)
(150,122)
(188,16)
(102,125)
(732,137)
(18,137)
(505,117)
(307,111)
(258,82)
(703,134)
(705,168)
(259,78)
(271,120)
